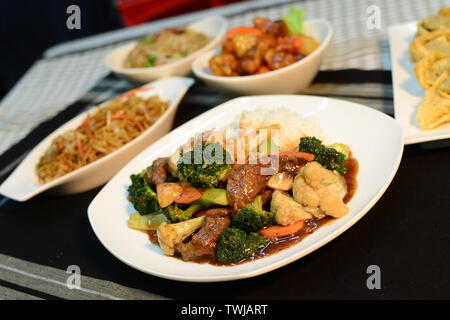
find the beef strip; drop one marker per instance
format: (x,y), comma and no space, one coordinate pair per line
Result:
(246,181)
(158,173)
(290,164)
(218,212)
(266,195)
(203,244)
(244,184)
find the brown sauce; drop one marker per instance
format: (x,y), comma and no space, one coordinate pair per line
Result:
(152,236)
(352,167)
(277,244)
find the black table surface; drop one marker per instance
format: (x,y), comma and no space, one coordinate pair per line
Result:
(406,234)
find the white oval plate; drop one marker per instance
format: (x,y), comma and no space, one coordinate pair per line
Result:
(23,183)
(376,141)
(215,27)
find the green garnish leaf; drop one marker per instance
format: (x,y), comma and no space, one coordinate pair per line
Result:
(294,20)
(183,53)
(149,39)
(151,61)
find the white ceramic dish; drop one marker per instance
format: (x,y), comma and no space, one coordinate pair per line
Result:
(287,80)
(408,94)
(215,27)
(23,183)
(376,141)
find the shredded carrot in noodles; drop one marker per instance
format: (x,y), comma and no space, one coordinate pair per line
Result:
(104,131)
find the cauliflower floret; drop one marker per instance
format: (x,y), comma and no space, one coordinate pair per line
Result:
(286,209)
(171,234)
(320,190)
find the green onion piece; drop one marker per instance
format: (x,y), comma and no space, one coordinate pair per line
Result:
(151,61)
(149,39)
(183,53)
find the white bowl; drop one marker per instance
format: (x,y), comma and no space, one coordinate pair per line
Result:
(23,183)
(376,140)
(215,27)
(288,80)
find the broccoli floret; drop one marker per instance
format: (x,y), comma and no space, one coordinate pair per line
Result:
(209,197)
(311,145)
(235,245)
(177,214)
(328,157)
(253,218)
(207,169)
(333,160)
(141,195)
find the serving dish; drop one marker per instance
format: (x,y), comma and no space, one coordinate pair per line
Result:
(357,125)
(214,27)
(408,94)
(23,183)
(288,80)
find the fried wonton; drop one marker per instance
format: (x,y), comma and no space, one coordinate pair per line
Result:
(444,12)
(435,107)
(430,68)
(436,42)
(433,23)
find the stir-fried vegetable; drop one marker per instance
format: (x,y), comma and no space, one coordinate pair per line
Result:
(282,231)
(294,20)
(176,214)
(205,169)
(329,157)
(188,195)
(210,197)
(171,234)
(235,245)
(253,218)
(146,222)
(141,195)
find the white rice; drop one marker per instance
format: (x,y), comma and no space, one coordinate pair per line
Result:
(293,125)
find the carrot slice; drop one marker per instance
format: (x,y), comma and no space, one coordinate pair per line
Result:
(282,231)
(133,92)
(189,194)
(86,123)
(262,69)
(89,134)
(79,145)
(244,30)
(296,42)
(298,154)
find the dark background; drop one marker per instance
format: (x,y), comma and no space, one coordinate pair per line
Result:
(29,27)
